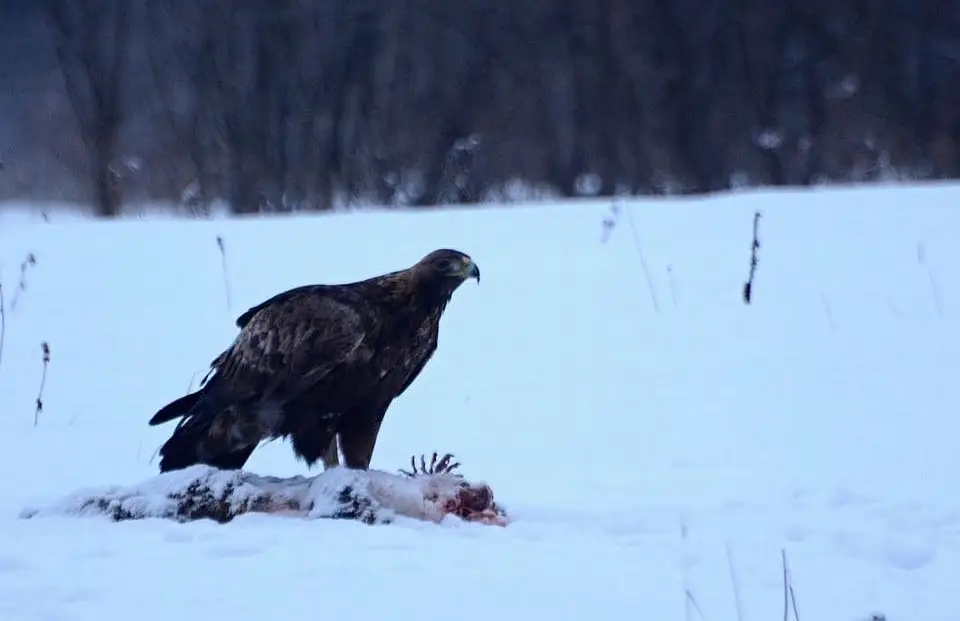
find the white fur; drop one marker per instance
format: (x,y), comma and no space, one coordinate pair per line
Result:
(387,494)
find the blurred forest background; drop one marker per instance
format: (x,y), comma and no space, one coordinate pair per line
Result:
(279,105)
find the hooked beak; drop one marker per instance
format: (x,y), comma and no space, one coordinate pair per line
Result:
(472,271)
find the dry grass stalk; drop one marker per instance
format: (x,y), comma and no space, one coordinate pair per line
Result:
(754,260)
(43,381)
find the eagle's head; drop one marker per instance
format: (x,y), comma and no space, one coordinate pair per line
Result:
(449,267)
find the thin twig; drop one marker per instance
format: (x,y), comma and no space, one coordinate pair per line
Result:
(754,260)
(786,587)
(643,261)
(695,605)
(936,293)
(735,582)
(689,600)
(793,601)
(789,597)
(27,263)
(43,381)
(223,266)
(826,309)
(192,379)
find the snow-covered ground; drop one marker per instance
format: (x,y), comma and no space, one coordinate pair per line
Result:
(652,436)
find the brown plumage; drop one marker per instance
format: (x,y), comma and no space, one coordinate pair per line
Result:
(315,362)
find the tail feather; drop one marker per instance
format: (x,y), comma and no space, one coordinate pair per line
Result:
(191,442)
(176,409)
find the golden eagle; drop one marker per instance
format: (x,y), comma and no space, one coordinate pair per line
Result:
(315,362)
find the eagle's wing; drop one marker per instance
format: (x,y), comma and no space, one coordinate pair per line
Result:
(245,318)
(289,343)
(284,348)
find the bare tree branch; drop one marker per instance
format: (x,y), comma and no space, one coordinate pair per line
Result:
(91,44)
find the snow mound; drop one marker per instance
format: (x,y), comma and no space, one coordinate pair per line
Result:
(202,492)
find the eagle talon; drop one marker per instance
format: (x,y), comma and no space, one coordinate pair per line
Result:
(436,467)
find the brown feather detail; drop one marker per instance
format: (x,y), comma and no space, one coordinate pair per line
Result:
(291,345)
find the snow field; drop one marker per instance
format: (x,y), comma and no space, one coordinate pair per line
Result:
(609,415)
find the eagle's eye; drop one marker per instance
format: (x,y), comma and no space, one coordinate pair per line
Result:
(449,265)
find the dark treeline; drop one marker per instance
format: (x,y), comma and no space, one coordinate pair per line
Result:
(310,104)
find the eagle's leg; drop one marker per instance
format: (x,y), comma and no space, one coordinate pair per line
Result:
(358,437)
(312,440)
(331,458)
